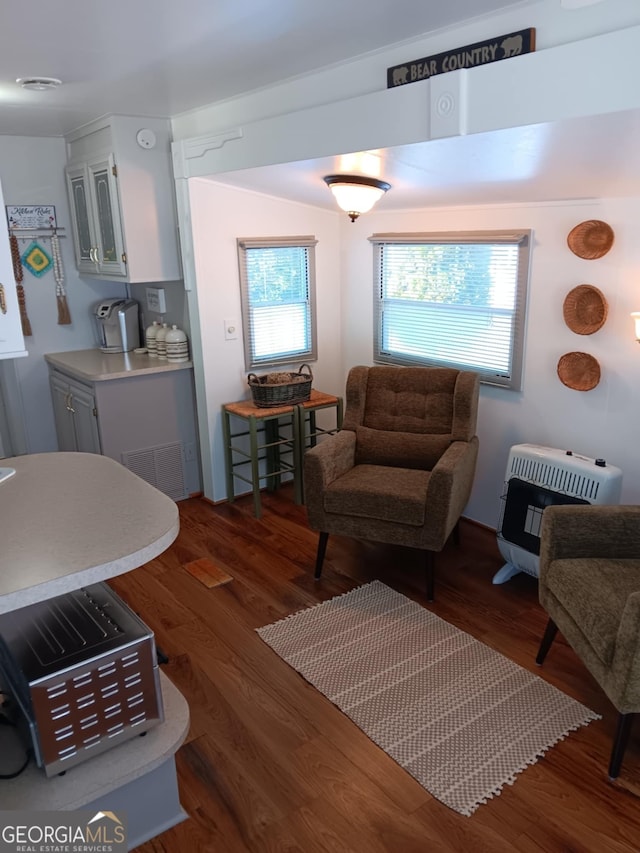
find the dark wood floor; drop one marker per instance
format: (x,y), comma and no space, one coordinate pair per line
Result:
(270,765)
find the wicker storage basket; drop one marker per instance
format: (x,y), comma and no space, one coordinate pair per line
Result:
(585,309)
(280,389)
(579,370)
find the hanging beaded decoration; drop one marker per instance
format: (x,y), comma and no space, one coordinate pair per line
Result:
(19,275)
(64,317)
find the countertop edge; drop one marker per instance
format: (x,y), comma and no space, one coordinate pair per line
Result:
(58,586)
(67,363)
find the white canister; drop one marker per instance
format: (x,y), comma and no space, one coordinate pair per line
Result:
(177,345)
(150,338)
(161,342)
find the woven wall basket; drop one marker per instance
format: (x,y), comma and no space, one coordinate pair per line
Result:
(590,239)
(579,370)
(585,309)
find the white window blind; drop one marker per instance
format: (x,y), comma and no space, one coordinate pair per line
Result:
(452,300)
(277,289)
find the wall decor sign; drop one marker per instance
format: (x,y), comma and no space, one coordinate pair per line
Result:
(31,215)
(469,56)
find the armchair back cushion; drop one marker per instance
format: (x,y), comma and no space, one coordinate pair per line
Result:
(407,418)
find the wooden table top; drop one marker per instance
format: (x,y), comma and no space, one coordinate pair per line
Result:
(247,409)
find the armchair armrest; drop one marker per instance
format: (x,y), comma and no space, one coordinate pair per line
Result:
(589,531)
(328,460)
(450,485)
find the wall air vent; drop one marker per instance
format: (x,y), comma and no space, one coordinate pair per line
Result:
(162,466)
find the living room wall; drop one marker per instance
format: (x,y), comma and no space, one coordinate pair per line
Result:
(597,423)
(221,214)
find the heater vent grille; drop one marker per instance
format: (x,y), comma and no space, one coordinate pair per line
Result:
(161,466)
(555,478)
(538,477)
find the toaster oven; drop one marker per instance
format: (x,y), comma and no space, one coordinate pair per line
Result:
(83,670)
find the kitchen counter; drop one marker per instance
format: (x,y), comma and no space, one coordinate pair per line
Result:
(67,520)
(92,365)
(72,519)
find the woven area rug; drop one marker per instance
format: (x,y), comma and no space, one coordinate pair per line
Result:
(458,716)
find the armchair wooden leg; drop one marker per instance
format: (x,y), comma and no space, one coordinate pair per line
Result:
(430,575)
(620,741)
(322,547)
(549,636)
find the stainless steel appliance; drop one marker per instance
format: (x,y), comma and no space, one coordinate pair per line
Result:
(83,669)
(117,325)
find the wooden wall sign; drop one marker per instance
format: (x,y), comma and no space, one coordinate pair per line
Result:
(480,53)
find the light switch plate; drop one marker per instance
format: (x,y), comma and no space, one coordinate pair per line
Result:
(156,300)
(230,330)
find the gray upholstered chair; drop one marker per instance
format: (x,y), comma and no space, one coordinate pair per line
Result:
(400,470)
(590,587)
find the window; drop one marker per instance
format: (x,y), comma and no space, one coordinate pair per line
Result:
(277,288)
(452,300)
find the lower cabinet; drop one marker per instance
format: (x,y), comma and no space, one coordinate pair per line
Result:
(76,416)
(147,422)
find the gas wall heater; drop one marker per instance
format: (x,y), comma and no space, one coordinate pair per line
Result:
(537,477)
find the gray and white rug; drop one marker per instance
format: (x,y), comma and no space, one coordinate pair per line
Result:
(461,718)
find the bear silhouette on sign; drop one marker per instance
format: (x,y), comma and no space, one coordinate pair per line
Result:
(400,75)
(512,46)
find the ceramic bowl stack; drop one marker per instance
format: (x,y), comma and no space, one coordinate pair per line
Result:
(177,345)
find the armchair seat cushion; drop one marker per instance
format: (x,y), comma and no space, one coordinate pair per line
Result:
(573,581)
(380,492)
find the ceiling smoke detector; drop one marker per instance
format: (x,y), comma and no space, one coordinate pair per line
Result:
(39,84)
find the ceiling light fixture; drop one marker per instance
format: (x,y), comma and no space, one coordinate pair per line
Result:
(356,194)
(39,84)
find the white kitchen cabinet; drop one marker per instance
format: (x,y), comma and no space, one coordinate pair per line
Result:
(11,337)
(75,414)
(95,217)
(127,407)
(121,193)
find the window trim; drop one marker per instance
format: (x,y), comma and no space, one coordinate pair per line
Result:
(307,242)
(520,237)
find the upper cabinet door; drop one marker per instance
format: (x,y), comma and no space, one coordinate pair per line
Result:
(110,258)
(84,238)
(95,217)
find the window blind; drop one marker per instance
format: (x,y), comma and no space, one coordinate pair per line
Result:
(452,299)
(277,289)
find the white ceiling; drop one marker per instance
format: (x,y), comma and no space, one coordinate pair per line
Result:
(166,57)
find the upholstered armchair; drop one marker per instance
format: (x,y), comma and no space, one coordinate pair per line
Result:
(590,588)
(401,468)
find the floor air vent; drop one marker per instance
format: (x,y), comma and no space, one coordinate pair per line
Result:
(161,466)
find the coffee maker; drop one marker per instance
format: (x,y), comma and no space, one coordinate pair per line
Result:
(117,325)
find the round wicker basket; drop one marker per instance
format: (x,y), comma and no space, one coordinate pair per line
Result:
(585,309)
(590,239)
(579,370)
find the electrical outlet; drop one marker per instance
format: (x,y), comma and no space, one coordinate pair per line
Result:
(156,300)
(230,330)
